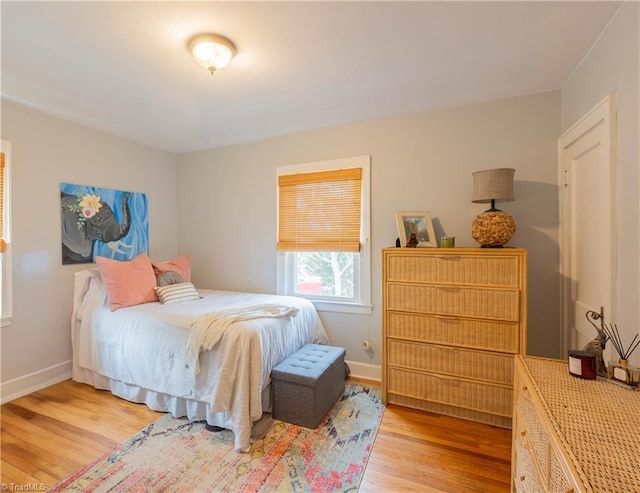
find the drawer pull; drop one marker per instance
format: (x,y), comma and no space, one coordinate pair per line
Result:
(449,380)
(524,440)
(447,349)
(526,394)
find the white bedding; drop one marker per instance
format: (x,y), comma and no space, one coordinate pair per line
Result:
(143,350)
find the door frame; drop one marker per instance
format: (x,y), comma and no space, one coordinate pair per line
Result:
(604,113)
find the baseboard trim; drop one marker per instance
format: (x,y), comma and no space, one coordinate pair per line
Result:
(32,382)
(365,370)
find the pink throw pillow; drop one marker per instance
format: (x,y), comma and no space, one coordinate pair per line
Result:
(181,265)
(128,283)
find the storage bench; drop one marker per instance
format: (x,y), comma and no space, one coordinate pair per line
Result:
(307,384)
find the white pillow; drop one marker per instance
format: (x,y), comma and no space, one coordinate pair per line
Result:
(175,293)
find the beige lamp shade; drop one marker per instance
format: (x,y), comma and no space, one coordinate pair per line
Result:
(493,184)
(493,228)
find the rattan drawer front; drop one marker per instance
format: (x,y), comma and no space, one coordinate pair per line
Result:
(526,477)
(490,398)
(534,430)
(496,304)
(459,269)
(468,363)
(458,412)
(495,336)
(558,480)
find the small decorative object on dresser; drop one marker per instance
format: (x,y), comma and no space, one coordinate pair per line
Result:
(621,371)
(453,319)
(447,242)
(597,345)
(582,364)
(415,229)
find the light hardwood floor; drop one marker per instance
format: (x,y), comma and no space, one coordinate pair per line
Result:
(49,434)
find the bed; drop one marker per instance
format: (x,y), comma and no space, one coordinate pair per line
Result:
(141,352)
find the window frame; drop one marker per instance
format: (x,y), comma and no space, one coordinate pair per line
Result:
(286,268)
(6,280)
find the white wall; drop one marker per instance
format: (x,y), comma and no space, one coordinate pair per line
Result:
(613,65)
(36,348)
(423,161)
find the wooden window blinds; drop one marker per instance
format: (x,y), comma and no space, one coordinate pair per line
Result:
(320,211)
(3,243)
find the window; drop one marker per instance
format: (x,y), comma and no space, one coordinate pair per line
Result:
(5,235)
(323,233)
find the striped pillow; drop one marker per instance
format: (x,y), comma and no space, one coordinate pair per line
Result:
(175,293)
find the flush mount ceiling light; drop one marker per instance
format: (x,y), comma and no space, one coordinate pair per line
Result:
(212,51)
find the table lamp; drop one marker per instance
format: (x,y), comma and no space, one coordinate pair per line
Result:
(493,228)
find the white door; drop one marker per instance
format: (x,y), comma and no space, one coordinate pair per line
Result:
(586,158)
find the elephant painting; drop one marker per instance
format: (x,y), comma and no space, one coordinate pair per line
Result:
(97,221)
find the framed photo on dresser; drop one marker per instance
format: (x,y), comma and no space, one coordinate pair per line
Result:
(415,229)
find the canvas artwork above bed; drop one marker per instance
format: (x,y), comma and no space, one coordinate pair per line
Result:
(101,221)
(142,330)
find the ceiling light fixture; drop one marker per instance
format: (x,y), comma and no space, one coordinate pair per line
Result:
(212,51)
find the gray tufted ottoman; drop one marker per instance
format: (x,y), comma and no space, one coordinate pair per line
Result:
(307,384)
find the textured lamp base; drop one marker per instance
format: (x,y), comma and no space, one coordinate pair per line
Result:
(493,228)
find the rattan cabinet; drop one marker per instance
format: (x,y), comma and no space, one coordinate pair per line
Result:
(453,319)
(572,435)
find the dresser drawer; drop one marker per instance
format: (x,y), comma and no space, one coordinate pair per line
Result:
(454,269)
(488,303)
(559,480)
(467,363)
(485,397)
(531,428)
(490,335)
(527,479)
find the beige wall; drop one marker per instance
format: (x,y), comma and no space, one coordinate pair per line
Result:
(423,161)
(613,65)
(45,152)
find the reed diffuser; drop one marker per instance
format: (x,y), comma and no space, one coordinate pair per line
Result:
(621,371)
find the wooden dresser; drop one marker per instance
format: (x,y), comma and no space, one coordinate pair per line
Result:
(573,435)
(453,319)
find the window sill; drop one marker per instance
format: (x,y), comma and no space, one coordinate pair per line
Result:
(340,307)
(5,322)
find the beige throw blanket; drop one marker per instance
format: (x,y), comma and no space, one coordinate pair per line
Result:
(237,389)
(209,328)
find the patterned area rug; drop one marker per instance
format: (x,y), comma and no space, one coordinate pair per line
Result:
(174,455)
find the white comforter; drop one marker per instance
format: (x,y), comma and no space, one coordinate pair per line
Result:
(146,346)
